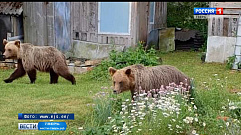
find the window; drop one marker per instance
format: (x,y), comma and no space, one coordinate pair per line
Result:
(114,18)
(152,12)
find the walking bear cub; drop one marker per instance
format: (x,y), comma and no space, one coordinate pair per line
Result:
(31,58)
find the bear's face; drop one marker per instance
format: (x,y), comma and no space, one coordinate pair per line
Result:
(11,49)
(122,79)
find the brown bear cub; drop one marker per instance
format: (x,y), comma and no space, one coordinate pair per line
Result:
(148,78)
(31,58)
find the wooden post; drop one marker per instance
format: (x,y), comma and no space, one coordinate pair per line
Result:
(142,20)
(160,15)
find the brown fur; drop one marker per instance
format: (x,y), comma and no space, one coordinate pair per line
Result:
(132,77)
(32,58)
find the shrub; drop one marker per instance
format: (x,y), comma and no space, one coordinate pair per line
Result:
(230,62)
(119,60)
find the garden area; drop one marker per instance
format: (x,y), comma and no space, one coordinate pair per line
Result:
(214,109)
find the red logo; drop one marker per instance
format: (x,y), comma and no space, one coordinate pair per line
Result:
(219,11)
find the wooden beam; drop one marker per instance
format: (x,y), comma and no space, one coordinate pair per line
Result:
(142,14)
(226,4)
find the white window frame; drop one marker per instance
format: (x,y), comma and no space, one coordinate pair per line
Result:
(115,33)
(153,13)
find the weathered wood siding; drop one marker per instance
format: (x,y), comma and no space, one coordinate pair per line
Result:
(160,20)
(85,25)
(35,24)
(224,25)
(59,23)
(62,26)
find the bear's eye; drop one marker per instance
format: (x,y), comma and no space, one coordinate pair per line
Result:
(114,82)
(9,50)
(121,83)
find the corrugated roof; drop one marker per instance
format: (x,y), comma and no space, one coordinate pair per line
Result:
(11,8)
(185,35)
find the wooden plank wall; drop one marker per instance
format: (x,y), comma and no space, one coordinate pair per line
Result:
(62,26)
(160,15)
(85,25)
(39,23)
(224,25)
(35,23)
(160,19)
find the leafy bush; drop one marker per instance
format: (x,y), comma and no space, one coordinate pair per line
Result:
(230,62)
(119,60)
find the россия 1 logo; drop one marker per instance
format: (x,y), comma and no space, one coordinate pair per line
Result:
(208,11)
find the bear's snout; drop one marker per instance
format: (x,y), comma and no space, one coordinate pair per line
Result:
(115,91)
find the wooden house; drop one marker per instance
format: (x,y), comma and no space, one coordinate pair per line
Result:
(222,32)
(91,29)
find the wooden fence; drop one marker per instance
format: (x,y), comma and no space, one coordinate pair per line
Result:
(226,24)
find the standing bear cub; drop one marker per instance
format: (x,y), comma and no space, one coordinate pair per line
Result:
(31,58)
(148,78)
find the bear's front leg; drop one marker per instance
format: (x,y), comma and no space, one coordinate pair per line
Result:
(19,72)
(32,75)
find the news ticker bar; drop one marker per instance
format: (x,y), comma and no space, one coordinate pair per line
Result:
(43,126)
(27,116)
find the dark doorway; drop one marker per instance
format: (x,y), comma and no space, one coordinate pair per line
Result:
(5,27)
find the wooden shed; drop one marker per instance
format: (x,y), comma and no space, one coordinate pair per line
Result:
(222,31)
(91,29)
(11,23)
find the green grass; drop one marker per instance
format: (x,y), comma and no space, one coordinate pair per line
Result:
(190,63)
(42,97)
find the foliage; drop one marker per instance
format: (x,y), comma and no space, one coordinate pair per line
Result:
(167,111)
(119,60)
(180,14)
(230,62)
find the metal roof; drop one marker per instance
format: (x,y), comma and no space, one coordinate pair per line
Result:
(11,8)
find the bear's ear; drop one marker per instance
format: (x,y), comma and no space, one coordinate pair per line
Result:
(112,70)
(128,72)
(5,42)
(17,43)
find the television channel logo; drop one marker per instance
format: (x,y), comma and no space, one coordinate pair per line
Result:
(208,11)
(28,126)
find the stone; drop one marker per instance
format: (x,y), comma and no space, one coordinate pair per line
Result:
(67,61)
(92,62)
(71,69)
(80,70)
(77,63)
(167,40)
(89,68)
(90,50)
(3,65)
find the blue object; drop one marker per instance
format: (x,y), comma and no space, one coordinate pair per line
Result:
(52,126)
(204,11)
(44,116)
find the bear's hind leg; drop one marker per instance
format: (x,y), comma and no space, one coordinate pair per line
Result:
(19,72)
(32,75)
(62,69)
(68,76)
(53,77)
